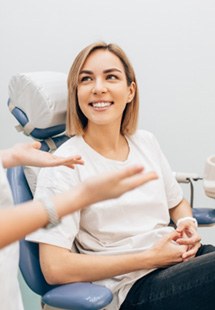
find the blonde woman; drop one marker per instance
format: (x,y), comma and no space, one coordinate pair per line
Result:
(126,243)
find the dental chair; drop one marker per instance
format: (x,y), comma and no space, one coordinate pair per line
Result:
(40,98)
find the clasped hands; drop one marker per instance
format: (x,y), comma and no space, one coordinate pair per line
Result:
(189,237)
(178,246)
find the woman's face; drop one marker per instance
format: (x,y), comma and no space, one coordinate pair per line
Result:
(102,91)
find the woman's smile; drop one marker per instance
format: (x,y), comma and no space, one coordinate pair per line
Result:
(101,105)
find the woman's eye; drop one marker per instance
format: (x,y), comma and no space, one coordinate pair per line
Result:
(112,77)
(86,78)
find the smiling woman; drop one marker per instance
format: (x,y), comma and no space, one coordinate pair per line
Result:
(127,243)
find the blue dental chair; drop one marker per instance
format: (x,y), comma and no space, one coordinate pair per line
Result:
(73,296)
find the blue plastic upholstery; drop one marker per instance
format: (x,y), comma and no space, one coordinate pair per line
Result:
(204,216)
(37,133)
(73,296)
(57,141)
(83,296)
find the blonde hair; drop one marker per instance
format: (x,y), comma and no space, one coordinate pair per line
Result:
(76,121)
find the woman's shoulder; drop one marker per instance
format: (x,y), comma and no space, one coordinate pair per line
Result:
(143,135)
(145,139)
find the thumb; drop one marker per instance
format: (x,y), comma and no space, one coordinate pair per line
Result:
(36,145)
(174,235)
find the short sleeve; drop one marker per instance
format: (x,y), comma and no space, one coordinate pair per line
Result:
(53,181)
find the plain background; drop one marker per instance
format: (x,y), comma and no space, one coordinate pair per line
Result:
(170,43)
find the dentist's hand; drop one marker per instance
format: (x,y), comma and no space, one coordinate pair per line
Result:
(29,154)
(114,184)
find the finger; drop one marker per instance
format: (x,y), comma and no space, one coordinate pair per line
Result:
(74,158)
(180,229)
(36,145)
(174,235)
(187,241)
(183,227)
(188,258)
(130,171)
(73,163)
(191,252)
(140,179)
(68,161)
(171,237)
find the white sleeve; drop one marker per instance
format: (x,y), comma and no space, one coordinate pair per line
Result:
(52,181)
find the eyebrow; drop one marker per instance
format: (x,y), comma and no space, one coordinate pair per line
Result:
(105,71)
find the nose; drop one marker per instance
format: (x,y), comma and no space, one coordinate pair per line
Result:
(99,87)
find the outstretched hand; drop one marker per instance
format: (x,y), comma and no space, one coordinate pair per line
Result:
(114,184)
(29,154)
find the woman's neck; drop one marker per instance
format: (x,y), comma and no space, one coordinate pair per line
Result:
(107,142)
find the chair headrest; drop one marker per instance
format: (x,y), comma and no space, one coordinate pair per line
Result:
(38,101)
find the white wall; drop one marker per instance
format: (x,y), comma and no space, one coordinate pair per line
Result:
(170,42)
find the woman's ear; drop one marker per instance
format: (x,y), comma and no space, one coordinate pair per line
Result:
(132,91)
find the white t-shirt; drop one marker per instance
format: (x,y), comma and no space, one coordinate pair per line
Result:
(10,297)
(131,223)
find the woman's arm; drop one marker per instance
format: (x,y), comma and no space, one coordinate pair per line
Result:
(60,266)
(15,223)
(183,209)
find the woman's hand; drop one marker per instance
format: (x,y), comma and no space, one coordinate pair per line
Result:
(29,154)
(189,237)
(167,251)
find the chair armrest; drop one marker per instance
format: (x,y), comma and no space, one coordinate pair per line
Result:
(80,295)
(185,177)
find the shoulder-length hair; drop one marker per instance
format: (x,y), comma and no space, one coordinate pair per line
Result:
(76,121)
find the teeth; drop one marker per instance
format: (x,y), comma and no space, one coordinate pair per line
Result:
(101,104)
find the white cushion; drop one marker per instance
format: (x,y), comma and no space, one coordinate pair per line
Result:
(42,96)
(209,177)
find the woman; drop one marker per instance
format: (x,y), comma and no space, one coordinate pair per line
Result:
(126,243)
(15,223)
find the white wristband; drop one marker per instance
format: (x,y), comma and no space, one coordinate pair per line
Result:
(190,218)
(48,205)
